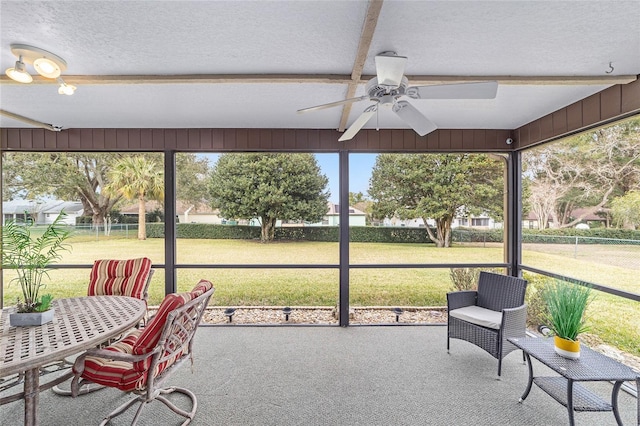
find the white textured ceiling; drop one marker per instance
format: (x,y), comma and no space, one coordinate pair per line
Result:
(449,38)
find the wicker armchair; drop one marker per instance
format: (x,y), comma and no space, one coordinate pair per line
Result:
(141,361)
(490,315)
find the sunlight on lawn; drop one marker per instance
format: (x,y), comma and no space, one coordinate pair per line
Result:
(616,320)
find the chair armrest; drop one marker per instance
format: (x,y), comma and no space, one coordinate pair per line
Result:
(78,365)
(460,299)
(514,321)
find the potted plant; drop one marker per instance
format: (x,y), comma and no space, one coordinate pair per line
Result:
(566,304)
(30,256)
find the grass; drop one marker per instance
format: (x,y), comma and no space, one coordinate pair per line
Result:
(615,320)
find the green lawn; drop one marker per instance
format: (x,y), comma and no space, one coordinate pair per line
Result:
(617,321)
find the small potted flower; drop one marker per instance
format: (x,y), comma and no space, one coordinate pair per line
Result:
(31,256)
(566,304)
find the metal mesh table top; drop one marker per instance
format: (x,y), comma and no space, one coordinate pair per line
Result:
(591,366)
(79,323)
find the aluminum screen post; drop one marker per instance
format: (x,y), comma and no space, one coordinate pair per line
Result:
(344,238)
(170,273)
(514,213)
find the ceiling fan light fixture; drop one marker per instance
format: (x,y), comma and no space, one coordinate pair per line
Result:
(19,72)
(47,67)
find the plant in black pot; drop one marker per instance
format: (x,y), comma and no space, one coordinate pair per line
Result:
(30,256)
(567,304)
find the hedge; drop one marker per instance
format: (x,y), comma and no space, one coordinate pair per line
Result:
(293,233)
(382,234)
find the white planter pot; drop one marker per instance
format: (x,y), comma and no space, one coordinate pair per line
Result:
(32,318)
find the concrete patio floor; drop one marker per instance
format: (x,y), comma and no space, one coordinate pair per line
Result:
(367,375)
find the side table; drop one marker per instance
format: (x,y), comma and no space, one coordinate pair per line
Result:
(590,367)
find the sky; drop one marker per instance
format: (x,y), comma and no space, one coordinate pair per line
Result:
(360,166)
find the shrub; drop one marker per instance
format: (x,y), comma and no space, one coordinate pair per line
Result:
(537,311)
(464,278)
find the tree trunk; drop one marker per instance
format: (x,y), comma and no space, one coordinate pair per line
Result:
(268,229)
(142,225)
(443,228)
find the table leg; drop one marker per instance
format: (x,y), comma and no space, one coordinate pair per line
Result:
(570,401)
(31,393)
(528,389)
(614,401)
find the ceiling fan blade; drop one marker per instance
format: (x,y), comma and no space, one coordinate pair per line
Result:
(390,69)
(484,90)
(332,104)
(414,118)
(359,123)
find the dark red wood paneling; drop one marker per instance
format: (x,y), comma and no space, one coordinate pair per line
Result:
(591,109)
(560,121)
(610,102)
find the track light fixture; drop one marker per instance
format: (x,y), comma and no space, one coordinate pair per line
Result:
(65,89)
(19,72)
(47,64)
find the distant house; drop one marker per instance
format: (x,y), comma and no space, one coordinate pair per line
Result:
(332,218)
(483,221)
(44,212)
(186,212)
(600,218)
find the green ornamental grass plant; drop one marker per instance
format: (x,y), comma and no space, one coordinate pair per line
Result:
(567,304)
(31,256)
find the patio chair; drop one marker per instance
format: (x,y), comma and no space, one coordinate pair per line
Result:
(490,315)
(111,277)
(141,361)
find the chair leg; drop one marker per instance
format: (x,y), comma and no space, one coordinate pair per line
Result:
(124,407)
(188,414)
(159,396)
(85,388)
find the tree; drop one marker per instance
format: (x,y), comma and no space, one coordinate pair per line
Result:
(269,187)
(82,176)
(67,176)
(137,177)
(626,210)
(436,186)
(585,171)
(362,203)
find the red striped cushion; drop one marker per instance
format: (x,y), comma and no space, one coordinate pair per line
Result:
(202,287)
(128,376)
(118,374)
(120,277)
(152,332)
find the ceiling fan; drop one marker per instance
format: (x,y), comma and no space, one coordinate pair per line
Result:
(390,89)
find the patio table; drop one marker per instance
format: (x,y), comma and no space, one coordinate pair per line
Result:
(79,323)
(592,366)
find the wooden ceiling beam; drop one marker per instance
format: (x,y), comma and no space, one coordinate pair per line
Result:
(414,80)
(369,28)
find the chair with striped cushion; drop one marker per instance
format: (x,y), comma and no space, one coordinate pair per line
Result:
(112,277)
(128,277)
(142,360)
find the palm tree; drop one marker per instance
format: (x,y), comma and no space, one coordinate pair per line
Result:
(137,177)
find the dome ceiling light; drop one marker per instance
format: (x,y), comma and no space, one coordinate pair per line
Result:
(47,64)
